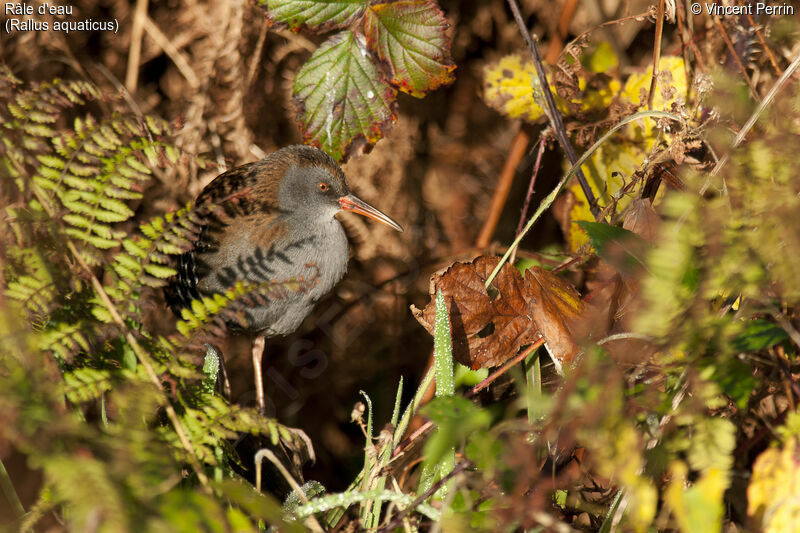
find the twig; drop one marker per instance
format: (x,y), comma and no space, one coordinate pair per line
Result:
(505,368)
(698,57)
(172,52)
(515,154)
(256,59)
(736,58)
(656,53)
(135,51)
(528,196)
(788,327)
(625,336)
(398,520)
(687,64)
(638,16)
(752,120)
(548,201)
(788,373)
(265,453)
(551,110)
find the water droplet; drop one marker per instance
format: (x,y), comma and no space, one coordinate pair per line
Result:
(370,94)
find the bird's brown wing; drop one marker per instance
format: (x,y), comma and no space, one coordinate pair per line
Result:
(239,197)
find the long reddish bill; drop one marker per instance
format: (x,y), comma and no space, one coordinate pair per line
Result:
(352,203)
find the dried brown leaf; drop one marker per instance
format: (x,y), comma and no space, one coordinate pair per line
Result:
(489,327)
(642,219)
(556,306)
(486,331)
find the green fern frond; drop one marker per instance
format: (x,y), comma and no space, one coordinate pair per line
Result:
(66,340)
(85,384)
(213,421)
(211,314)
(93,170)
(27,114)
(144,261)
(34,286)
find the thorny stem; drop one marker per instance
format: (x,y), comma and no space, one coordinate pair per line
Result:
(528,196)
(552,111)
(548,201)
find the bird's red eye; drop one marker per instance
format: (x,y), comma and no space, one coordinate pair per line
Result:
(323,186)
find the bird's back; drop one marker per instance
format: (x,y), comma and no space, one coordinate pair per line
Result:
(257,243)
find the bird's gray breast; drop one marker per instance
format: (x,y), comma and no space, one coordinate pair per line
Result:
(314,252)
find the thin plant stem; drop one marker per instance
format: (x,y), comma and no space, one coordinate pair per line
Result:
(551,110)
(10,492)
(736,58)
(548,201)
(264,453)
(656,53)
(528,196)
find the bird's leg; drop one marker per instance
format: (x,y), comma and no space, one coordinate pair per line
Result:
(258,353)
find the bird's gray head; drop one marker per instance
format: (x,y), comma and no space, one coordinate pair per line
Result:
(314,186)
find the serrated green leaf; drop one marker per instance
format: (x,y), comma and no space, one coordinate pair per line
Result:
(410,38)
(316,15)
(341,99)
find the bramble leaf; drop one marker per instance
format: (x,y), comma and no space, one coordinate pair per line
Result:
(507,88)
(316,15)
(342,101)
(409,37)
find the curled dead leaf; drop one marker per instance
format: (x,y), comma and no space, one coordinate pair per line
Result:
(556,306)
(489,327)
(642,219)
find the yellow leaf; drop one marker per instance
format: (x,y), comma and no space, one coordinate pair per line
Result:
(507,88)
(638,84)
(773,496)
(607,171)
(697,508)
(601,59)
(609,168)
